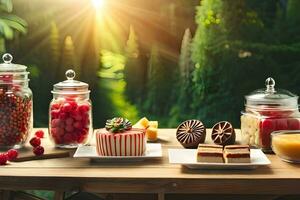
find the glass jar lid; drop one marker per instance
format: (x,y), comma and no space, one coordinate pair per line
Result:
(71,86)
(8,66)
(270,97)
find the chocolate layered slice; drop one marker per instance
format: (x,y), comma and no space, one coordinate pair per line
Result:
(237,154)
(210,153)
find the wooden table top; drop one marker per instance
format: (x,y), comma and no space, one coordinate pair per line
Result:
(149,176)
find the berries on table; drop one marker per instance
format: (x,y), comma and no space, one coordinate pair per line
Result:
(35,141)
(12,154)
(38,151)
(3,158)
(39,134)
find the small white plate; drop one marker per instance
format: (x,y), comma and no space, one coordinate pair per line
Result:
(188,158)
(153,150)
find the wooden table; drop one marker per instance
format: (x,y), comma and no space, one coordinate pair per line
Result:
(151,176)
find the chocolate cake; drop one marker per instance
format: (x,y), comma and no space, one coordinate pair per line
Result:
(190,133)
(223,133)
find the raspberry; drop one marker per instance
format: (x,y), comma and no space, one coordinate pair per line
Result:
(67,107)
(39,134)
(281,124)
(293,124)
(38,151)
(3,158)
(35,141)
(12,154)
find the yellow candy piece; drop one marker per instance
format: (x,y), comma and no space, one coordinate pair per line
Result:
(153,124)
(151,134)
(142,123)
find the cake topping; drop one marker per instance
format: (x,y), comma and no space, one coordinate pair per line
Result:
(223,133)
(190,133)
(118,124)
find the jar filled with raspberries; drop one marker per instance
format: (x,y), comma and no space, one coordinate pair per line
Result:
(16,119)
(70,113)
(268,110)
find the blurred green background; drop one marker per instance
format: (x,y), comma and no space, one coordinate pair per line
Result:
(168,60)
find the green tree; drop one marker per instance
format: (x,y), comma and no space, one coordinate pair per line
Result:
(54,46)
(235,49)
(159,86)
(69,58)
(183,91)
(9,23)
(134,70)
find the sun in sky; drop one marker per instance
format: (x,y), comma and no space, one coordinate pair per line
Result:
(98,4)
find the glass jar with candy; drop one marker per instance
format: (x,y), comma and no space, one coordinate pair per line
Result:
(70,113)
(16,117)
(268,110)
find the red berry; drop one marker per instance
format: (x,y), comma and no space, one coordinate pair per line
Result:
(69,128)
(55,106)
(267,126)
(67,107)
(39,134)
(68,138)
(12,154)
(73,105)
(84,108)
(38,151)
(3,158)
(78,125)
(281,124)
(54,114)
(293,124)
(69,121)
(35,141)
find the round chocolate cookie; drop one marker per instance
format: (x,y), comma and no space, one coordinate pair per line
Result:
(190,133)
(223,133)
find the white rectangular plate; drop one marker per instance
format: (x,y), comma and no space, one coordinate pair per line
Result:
(153,150)
(188,158)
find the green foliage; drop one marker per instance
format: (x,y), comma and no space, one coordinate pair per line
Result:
(159,89)
(184,87)
(234,56)
(69,58)
(9,23)
(112,82)
(134,70)
(54,42)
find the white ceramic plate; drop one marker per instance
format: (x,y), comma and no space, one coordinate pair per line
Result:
(153,150)
(187,157)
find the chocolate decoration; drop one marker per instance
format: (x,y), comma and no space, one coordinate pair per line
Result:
(190,133)
(223,133)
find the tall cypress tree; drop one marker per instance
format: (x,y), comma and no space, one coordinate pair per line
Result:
(159,86)
(134,70)
(68,57)
(183,91)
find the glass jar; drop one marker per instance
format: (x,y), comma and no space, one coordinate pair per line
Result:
(16,117)
(70,113)
(268,110)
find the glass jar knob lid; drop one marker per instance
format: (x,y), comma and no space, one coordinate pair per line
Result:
(271,97)
(8,66)
(270,85)
(70,85)
(7,58)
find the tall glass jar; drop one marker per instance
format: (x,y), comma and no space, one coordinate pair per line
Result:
(16,117)
(70,113)
(268,110)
